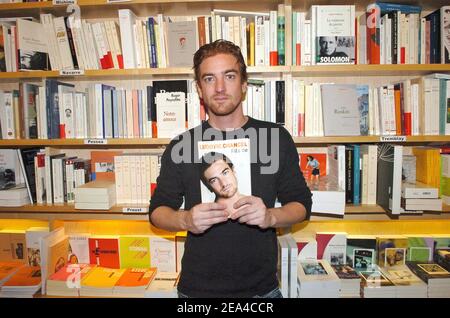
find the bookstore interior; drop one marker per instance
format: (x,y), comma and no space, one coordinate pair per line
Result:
(92,91)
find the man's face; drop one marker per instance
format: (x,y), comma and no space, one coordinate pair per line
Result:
(221,179)
(327,45)
(220,85)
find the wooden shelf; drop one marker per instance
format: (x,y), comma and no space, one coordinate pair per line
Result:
(98,3)
(377,213)
(366,139)
(80,143)
(369,70)
(316,70)
(67,212)
(161,142)
(138,73)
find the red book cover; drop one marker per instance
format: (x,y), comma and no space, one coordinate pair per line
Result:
(104,252)
(273,58)
(120,60)
(322,242)
(298,53)
(373,34)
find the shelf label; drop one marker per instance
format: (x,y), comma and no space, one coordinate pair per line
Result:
(117,1)
(59,2)
(71,72)
(96,141)
(393,138)
(135,210)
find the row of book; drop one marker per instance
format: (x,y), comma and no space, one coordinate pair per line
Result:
(395,34)
(169,107)
(400,179)
(341,265)
(113,251)
(58,110)
(73,280)
(387,33)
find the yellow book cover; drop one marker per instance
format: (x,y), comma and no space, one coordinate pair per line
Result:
(428,165)
(134,251)
(57,254)
(101,277)
(251,58)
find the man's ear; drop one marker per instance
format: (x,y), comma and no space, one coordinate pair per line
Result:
(199,90)
(244,91)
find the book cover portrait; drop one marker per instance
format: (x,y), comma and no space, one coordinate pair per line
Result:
(225,171)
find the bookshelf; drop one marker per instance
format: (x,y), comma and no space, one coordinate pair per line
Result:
(355,218)
(95,8)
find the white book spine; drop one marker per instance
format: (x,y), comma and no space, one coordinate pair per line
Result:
(63,43)
(127,21)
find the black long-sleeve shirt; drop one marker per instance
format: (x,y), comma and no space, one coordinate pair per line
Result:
(232,259)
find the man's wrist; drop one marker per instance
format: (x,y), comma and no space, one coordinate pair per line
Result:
(272,218)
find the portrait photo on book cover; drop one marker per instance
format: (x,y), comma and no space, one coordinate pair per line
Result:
(225,174)
(335,49)
(33,60)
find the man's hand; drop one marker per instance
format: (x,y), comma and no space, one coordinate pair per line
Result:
(252,210)
(204,215)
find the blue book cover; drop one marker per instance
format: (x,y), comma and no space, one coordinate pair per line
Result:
(152,43)
(362,92)
(435,36)
(52,106)
(403,8)
(115,115)
(356,175)
(107,110)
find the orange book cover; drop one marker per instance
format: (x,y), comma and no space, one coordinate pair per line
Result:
(102,164)
(313,164)
(136,277)
(104,251)
(7,268)
(25,276)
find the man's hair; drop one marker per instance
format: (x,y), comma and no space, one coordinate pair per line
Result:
(219,47)
(321,38)
(207,160)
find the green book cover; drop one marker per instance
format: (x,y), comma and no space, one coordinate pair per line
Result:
(134,251)
(281,25)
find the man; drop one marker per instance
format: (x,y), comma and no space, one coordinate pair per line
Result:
(328,45)
(219,177)
(236,256)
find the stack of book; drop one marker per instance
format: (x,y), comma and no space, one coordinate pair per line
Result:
(420,197)
(95,195)
(436,277)
(442,257)
(350,281)
(376,285)
(317,279)
(67,281)
(16,196)
(7,269)
(134,282)
(100,281)
(24,283)
(164,285)
(328,197)
(408,285)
